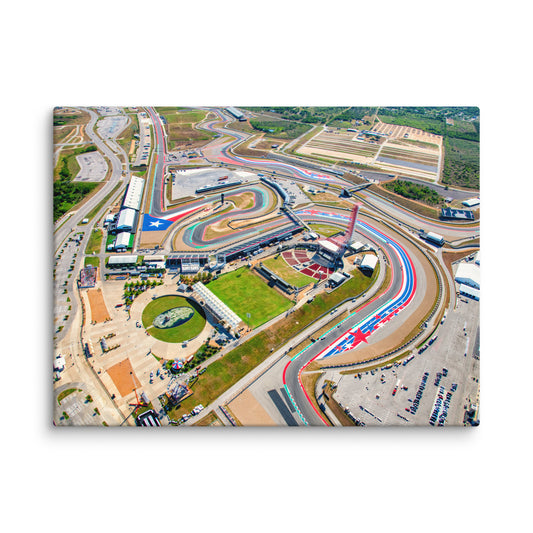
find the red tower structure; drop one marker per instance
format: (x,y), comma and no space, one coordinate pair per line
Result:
(343,242)
(351,227)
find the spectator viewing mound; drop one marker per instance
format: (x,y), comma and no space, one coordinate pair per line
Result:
(173,319)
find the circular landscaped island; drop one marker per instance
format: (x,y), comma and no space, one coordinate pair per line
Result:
(173,319)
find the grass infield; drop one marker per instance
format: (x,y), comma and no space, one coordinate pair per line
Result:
(183,332)
(244,292)
(279,266)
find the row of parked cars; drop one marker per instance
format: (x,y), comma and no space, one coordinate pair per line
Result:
(198,409)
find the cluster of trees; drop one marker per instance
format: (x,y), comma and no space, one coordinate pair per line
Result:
(204,277)
(461,163)
(353,113)
(66,193)
(280,128)
(204,352)
(61,120)
(317,115)
(433,120)
(413,191)
(133,289)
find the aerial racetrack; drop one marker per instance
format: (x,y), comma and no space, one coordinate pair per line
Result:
(359,325)
(245,210)
(411,291)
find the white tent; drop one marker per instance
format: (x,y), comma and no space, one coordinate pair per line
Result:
(468,274)
(369,262)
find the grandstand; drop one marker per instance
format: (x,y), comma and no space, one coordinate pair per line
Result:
(143,152)
(188,263)
(315,267)
(236,113)
(274,279)
(244,249)
(216,306)
(456,214)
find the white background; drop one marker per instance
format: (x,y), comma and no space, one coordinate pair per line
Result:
(280,53)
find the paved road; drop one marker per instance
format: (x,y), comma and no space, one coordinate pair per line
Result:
(70,262)
(61,232)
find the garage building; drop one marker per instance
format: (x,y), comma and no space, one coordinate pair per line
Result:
(471,202)
(115,261)
(135,193)
(123,240)
(126,219)
(469,291)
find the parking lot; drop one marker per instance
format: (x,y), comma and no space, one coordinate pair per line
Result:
(111,126)
(66,261)
(93,167)
(186,182)
(435,387)
(76,409)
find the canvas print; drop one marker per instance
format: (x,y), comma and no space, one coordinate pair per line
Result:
(266,266)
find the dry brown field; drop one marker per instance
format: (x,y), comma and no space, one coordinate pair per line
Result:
(99,312)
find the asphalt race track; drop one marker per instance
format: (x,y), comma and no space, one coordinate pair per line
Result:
(358,326)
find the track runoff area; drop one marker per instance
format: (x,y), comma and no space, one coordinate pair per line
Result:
(192,221)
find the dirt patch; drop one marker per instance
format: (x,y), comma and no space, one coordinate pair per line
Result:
(244,200)
(332,403)
(266,144)
(309,383)
(245,151)
(124,377)
(249,411)
(149,239)
(450,257)
(99,312)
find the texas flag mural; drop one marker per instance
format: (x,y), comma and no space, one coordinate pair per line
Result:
(151,223)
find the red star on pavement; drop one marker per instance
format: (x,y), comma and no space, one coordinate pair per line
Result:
(360,336)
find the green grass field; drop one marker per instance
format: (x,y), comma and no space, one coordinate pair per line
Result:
(324,229)
(180,115)
(180,122)
(183,332)
(95,242)
(279,266)
(244,292)
(93,261)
